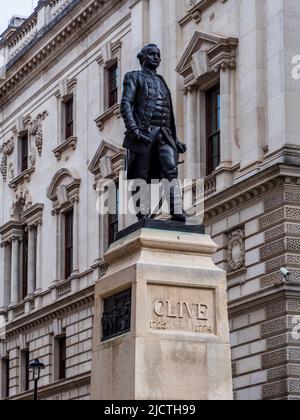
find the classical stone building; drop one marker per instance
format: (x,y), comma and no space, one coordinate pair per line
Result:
(231,66)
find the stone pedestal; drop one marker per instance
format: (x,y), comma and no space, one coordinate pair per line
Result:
(177,344)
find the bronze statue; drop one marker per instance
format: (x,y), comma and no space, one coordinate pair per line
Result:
(151,137)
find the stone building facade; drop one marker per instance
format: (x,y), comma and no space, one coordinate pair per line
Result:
(231,66)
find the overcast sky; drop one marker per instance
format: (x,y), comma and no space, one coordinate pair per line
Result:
(9,8)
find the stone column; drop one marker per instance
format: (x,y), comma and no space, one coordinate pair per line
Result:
(5,267)
(252,71)
(31,260)
(58,259)
(226,117)
(15,271)
(76,236)
(191,134)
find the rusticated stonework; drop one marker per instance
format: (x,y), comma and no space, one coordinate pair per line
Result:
(277,326)
(284,372)
(282,307)
(276,279)
(282,340)
(279,357)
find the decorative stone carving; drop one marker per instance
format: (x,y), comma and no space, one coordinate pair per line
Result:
(236,250)
(116,315)
(6,149)
(36,130)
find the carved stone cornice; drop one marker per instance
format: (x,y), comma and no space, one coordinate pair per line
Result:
(69,144)
(93,13)
(195,9)
(24,177)
(49,312)
(114,111)
(11,231)
(34,215)
(249,190)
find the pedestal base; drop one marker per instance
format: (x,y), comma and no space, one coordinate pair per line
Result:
(177,344)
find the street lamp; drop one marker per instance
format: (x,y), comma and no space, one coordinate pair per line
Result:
(36,366)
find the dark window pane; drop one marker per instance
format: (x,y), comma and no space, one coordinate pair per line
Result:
(69,106)
(113,85)
(213,101)
(62,357)
(113,219)
(68,244)
(26,369)
(24,152)
(7,377)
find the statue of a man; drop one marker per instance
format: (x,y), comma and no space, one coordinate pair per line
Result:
(151,136)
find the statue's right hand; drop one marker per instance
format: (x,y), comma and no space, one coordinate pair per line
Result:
(134,135)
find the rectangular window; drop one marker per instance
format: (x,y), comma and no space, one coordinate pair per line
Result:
(69,216)
(69,118)
(24,152)
(113,85)
(25,370)
(62,354)
(24,283)
(113,219)
(5,377)
(213,102)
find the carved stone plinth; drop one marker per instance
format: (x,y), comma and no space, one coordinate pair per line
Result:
(169,339)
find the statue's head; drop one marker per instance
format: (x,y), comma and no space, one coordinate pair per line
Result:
(150,56)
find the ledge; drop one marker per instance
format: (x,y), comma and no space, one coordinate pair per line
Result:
(70,143)
(114,111)
(24,176)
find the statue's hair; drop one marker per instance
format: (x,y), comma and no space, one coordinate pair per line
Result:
(141,55)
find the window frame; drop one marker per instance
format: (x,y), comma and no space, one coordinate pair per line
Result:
(69,117)
(112,84)
(68,247)
(210,134)
(113,219)
(62,357)
(24,151)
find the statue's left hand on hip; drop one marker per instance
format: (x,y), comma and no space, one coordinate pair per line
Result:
(181,147)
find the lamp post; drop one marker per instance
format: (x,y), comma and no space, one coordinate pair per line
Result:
(36,366)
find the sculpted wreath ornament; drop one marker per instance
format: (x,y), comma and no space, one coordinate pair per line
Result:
(236,250)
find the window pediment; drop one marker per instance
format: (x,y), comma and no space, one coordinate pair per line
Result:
(108,161)
(206,53)
(64,188)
